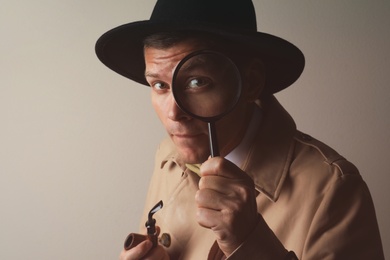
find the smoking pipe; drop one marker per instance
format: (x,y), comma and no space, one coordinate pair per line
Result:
(134,239)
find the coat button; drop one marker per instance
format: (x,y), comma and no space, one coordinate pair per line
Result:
(165,240)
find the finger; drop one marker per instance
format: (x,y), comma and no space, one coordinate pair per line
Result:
(229,227)
(157,253)
(208,218)
(229,206)
(218,166)
(211,182)
(137,252)
(222,184)
(227,189)
(209,199)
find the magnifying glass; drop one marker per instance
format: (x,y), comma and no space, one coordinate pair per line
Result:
(207,85)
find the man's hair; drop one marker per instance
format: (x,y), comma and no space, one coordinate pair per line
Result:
(164,40)
(240,54)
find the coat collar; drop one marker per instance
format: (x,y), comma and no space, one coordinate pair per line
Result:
(269,157)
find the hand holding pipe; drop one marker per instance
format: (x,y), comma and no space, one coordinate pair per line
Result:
(134,239)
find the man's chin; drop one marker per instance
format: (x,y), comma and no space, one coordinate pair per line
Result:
(193,157)
(192,151)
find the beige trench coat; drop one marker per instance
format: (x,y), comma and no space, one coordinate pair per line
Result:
(312,201)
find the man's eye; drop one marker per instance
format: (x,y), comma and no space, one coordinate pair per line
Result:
(198,83)
(159,86)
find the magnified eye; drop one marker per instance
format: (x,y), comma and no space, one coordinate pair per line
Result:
(197,83)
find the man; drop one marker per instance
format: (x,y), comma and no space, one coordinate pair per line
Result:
(274,192)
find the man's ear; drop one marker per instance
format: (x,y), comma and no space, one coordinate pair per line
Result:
(253,80)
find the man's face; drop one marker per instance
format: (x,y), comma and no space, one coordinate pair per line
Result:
(189,135)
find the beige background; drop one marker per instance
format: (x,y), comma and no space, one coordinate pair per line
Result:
(77,141)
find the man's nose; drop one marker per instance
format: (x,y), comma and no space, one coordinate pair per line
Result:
(174,111)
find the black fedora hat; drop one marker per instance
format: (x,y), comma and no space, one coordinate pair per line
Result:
(121,49)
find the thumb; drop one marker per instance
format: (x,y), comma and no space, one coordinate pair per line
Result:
(218,166)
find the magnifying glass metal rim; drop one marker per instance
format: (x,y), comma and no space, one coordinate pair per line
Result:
(180,104)
(214,149)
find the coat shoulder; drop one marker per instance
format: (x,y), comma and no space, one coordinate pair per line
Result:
(326,154)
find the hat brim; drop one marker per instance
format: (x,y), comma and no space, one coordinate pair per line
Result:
(121,49)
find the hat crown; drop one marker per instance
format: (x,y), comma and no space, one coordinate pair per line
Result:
(122,48)
(239,14)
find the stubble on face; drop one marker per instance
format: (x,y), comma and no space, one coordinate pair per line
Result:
(189,135)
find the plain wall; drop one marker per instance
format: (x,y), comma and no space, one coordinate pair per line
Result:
(77,141)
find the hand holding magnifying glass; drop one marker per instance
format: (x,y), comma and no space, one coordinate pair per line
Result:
(207,86)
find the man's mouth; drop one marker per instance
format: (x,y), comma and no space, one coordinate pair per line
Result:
(187,135)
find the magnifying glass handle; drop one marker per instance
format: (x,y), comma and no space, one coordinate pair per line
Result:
(214,150)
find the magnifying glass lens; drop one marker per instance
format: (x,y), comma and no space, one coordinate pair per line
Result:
(206,85)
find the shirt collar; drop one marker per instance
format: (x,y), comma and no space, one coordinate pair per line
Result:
(238,154)
(270,156)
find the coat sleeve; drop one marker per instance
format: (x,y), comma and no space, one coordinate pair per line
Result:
(344,227)
(261,244)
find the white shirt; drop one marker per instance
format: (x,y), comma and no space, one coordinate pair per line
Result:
(238,154)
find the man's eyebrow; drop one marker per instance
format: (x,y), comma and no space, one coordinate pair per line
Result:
(149,74)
